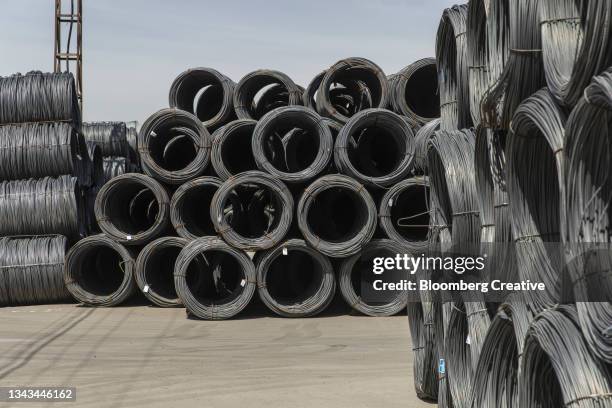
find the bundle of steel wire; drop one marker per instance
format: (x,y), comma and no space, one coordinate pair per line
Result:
(452,58)
(188,208)
(293,144)
(42,206)
(361,80)
(414,92)
(295,280)
(424,349)
(232,148)
(309,98)
(248,92)
(421,140)
(110,136)
(132,209)
(477,55)
(267,208)
(376,147)
(132,140)
(97,181)
(206,93)
(31,270)
(99,271)
(337,215)
(174,146)
(39,97)
(115,166)
(214,280)
(588,147)
(154,270)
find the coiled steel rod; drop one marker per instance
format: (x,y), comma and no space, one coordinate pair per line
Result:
(414,91)
(110,136)
(232,149)
(188,208)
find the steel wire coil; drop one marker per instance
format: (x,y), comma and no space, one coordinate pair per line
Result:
(404,214)
(337,215)
(251,86)
(115,166)
(293,144)
(232,149)
(272,97)
(498,42)
(557,369)
(356,271)
(265,201)
(352,74)
(309,97)
(376,147)
(421,140)
(154,270)
(39,97)
(205,93)
(100,272)
(576,45)
(477,54)
(174,146)
(213,280)
(110,136)
(98,179)
(414,92)
(42,206)
(424,348)
(188,208)
(132,141)
(589,191)
(452,60)
(536,192)
(295,280)
(132,209)
(31,270)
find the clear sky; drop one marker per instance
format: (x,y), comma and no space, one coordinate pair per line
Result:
(133,49)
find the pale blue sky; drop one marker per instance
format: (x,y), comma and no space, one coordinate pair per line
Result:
(133,49)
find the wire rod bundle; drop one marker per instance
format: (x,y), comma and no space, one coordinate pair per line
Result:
(100,272)
(110,136)
(98,180)
(267,203)
(31,270)
(424,349)
(188,207)
(154,271)
(404,214)
(557,369)
(132,209)
(294,280)
(356,272)
(452,59)
(421,140)
(250,87)
(376,147)
(576,45)
(213,280)
(337,215)
(115,166)
(292,143)
(414,93)
(272,97)
(206,93)
(309,98)
(498,40)
(39,97)
(232,151)
(352,74)
(536,192)
(42,206)
(174,146)
(132,141)
(477,54)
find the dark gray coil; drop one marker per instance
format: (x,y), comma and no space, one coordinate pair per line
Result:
(249,89)
(154,270)
(576,45)
(265,201)
(309,98)
(132,140)
(421,140)
(414,92)
(32,270)
(589,191)
(424,348)
(110,136)
(293,144)
(535,183)
(557,369)
(452,59)
(174,146)
(132,209)
(232,149)
(404,214)
(337,215)
(213,280)
(206,93)
(97,176)
(100,272)
(356,272)
(188,208)
(363,84)
(477,54)
(294,280)
(39,97)
(376,147)
(42,206)
(115,166)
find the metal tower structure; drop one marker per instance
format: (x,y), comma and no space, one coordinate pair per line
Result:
(68,54)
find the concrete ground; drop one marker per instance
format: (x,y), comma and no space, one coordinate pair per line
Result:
(140,356)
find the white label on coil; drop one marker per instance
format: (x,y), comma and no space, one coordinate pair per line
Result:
(242,283)
(390,202)
(467,340)
(146,289)
(129,237)
(285,252)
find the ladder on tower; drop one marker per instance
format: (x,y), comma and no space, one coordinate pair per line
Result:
(68,54)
